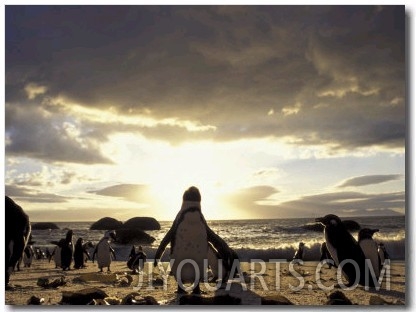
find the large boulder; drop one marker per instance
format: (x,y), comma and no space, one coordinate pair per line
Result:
(106,223)
(142,223)
(133,236)
(83,296)
(44,226)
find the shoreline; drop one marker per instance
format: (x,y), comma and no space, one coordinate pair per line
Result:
(258,281)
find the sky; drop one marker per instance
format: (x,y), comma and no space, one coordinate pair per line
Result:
(271,111)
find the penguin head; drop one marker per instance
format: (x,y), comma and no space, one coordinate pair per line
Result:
(329,220)
(69,235)
(366,233)
(110,235)
(192,194)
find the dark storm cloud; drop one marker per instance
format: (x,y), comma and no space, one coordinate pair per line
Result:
(341,67)
(130,192)
(370,179)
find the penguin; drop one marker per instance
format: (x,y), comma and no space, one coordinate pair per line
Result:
(370,248)
(67,251)
(17,234)
(382,255)
(28,256)
(85,247)
(136,260)
(326,255)
(104,251)
(56,253)
(79,254)
(189,238)
(299,253)
(343,246)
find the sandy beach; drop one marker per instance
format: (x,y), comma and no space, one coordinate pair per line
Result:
(260,283)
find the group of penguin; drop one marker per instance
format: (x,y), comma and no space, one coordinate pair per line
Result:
(191,238)
(344,249)
(65,251)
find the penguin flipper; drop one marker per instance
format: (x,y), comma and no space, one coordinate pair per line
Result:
(165,241)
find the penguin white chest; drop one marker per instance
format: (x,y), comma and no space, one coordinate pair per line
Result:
(190,248)
(369,248)
(332,250)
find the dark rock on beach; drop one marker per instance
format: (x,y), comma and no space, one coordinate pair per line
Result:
(216,300)
(338,298)
(106,223)
(83,296)
(275,300)
(44,226)
(133,236)
(142,223)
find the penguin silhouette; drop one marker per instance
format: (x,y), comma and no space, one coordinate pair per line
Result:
(17,234)
(345,249)
(67,251)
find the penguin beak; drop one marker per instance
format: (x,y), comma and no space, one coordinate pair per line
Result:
(375,230)
(319,220)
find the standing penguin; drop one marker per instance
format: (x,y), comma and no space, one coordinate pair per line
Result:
(189,237)
(56,253)
(28,256)
(79,254)
(136,259)
(67,251)
(299,253)
(382,255)
(16,235)
(104,251)
(326,255)
(369,247)
(343,246)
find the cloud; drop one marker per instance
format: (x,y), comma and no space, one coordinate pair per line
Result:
(33,196)
(130,192)
(344,204)
(34,133)
(221,67)
(370,179)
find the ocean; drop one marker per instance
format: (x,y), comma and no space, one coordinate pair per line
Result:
(251,239)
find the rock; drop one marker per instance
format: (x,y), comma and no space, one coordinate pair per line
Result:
(133,236)
(142,223)
(216,300)
(376,300)
(98,302)
(338,298)
(83,296)
(99,277)
(113,300)
(135,299)
(106,223)
(275,300)
(44,282)
(44,226)
(125,281)
(35,301)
